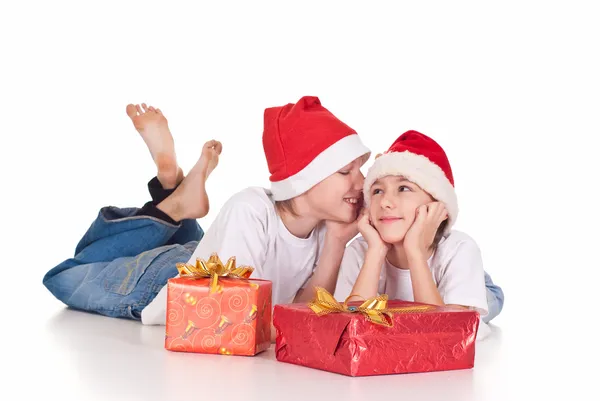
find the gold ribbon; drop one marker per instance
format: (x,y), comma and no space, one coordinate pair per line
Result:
(375,309)
(213,268)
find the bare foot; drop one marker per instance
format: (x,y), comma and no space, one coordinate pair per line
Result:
(154,129)
(189,200)
(210,156)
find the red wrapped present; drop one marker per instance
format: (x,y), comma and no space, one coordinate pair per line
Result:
(217,309)
(376,337)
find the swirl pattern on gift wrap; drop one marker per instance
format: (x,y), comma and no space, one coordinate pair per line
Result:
(179,344)
(243,334)
(206,340)
(208,310)
(175,292)
(175,315)
(237,299)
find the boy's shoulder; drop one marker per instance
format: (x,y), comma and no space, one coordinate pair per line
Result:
(250,207)
(256,198)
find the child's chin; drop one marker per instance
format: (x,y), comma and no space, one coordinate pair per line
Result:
(342,217)
(392,238)
(346,215)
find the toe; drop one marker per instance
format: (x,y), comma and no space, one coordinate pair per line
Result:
(145,107)
(130,110)
(210,144)
(139,109)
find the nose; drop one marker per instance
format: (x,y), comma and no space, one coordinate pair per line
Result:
(386,201)
(359,181)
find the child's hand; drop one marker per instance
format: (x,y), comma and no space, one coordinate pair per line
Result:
(421,233)
(342,232)
(370,234)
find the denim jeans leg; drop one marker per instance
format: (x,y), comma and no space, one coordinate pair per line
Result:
(495,299)
(119,258)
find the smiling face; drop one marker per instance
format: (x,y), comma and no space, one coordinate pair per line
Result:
(339,196)
(394,202)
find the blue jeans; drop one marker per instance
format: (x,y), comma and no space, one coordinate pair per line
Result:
(495,299)
(122,262)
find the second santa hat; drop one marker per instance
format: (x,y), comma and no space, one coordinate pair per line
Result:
(421,160)
(304,143)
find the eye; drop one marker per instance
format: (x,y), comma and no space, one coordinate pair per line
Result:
(376,191)
(404,188)
(344,172)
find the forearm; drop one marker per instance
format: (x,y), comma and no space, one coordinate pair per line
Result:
(327,270)
(367,283)
(424,288)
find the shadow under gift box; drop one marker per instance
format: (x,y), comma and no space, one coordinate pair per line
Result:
(234,320)
(441,338)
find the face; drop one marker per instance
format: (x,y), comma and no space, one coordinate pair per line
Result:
(339,196)
(394,202)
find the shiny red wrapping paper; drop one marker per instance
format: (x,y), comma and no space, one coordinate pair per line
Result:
(234,320)
(442,338)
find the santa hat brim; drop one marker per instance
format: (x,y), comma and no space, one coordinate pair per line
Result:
(420,170)
(329,161)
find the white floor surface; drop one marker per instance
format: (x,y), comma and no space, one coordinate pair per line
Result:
(75,355)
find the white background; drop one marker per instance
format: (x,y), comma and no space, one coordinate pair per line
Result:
(511,90)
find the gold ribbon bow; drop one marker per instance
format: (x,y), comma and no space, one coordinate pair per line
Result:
(213,268)
(375,309)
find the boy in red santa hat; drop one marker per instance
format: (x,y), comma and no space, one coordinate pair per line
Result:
(293,233)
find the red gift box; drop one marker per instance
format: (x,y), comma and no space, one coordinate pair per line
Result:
(224,314)
(409,341)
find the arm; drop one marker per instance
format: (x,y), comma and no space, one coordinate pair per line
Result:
(462,283)
(424,288)
(367,283)
(326,273)
(417,246)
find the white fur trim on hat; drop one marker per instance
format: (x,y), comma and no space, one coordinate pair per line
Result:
(420,170)
(326,163)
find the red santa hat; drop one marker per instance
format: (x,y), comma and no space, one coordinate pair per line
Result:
(304,143)
(421,160)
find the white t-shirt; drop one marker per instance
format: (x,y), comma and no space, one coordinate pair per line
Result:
(249,228)
(456,267)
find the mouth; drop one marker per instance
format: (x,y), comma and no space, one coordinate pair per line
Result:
(352,200)
(389,219)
